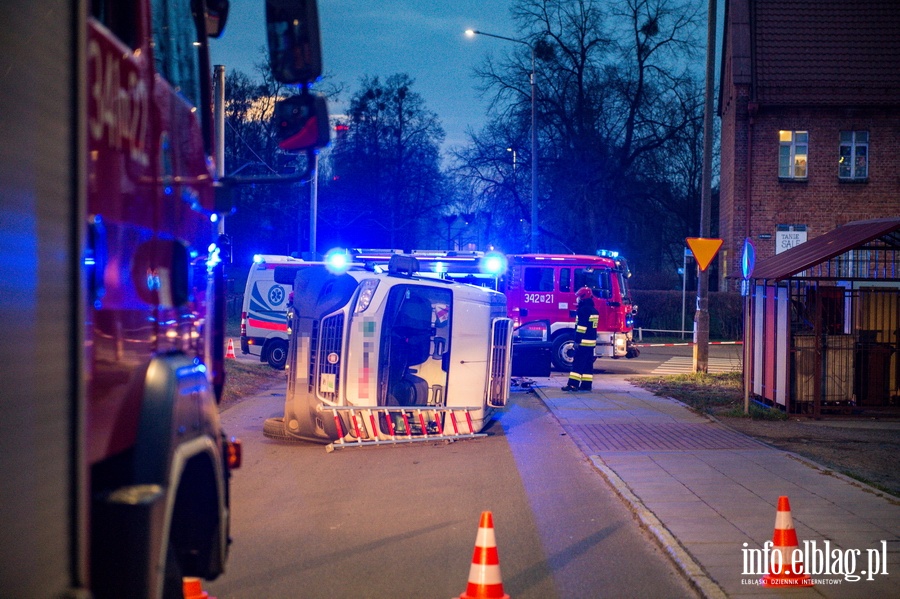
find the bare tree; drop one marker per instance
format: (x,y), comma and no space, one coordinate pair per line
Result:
(616,89)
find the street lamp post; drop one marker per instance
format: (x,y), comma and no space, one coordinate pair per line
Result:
(534,145)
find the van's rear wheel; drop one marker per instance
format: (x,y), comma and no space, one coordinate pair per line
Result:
(563,351)
(277,355)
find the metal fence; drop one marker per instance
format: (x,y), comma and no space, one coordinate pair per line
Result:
(844,347)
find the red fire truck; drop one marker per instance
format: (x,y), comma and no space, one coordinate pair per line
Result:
(541,287)
(115,467)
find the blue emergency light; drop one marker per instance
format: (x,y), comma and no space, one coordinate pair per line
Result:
(337,261)
(493,263)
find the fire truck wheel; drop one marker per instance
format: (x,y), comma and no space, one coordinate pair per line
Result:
(273,428)
(563,353)
(277,354)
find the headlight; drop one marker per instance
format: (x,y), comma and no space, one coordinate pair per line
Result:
(366,293)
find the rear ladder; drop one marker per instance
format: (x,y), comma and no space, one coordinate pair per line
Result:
(403,424)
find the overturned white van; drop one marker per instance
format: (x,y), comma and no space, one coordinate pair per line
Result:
(371,352)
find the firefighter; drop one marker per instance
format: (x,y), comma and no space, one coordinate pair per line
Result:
(586,318)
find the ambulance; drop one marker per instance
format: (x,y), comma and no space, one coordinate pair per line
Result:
(371,351)
(263,315)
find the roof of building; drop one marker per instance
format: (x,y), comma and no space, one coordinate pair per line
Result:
(880,235)
(826,53)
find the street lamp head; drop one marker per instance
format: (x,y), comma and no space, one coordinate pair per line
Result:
(471,33)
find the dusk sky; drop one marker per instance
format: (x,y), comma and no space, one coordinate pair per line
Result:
(422,38)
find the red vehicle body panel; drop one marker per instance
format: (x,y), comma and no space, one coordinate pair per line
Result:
(149,198)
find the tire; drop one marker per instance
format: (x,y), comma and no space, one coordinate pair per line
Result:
(277,354)
(273,428)
(563,352)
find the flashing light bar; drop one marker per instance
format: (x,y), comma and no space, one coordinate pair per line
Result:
(337,261)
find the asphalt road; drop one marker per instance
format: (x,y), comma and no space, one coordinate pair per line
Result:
(401,521)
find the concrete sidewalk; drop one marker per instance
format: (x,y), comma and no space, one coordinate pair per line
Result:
(705,491)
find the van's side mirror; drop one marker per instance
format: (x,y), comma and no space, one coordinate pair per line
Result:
(295,49)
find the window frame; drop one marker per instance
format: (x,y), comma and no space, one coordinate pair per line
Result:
(790,170)
(854,146)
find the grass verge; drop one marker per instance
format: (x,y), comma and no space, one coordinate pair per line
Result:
(243,379)
(720,394)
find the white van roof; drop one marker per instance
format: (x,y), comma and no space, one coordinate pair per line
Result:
(275,259)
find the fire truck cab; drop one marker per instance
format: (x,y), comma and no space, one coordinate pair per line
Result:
(367,339)
(543,286)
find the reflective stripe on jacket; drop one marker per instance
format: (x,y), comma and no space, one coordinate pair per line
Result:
(586,320)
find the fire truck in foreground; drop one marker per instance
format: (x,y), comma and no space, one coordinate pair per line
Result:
(541,287)
(391,357)
(115,468)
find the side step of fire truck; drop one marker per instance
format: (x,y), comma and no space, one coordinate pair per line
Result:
(389,425)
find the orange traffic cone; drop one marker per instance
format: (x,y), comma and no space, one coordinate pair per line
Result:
(784,542)
(484,575)
(230,352)
(193,589)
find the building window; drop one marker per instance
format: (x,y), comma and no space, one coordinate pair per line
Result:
(854,158)
(792,154)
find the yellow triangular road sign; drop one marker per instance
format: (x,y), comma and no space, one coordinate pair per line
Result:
(704,250)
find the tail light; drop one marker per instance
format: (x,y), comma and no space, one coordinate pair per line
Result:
(233,453)
(243,324)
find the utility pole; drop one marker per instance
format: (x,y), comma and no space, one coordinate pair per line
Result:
(701,317)
(219,122)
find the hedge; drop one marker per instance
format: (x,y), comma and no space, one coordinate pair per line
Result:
(661,310)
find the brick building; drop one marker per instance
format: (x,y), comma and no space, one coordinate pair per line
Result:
(810,109)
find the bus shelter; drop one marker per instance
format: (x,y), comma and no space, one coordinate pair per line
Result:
(822,323)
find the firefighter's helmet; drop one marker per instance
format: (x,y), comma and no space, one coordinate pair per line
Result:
(584,293)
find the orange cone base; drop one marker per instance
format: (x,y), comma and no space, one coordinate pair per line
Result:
(466,595)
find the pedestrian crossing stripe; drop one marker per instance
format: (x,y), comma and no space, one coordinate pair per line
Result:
(685,365)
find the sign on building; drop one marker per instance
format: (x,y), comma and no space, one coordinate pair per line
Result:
(788,236)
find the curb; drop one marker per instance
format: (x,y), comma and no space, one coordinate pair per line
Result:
(689,568)
(694,572)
